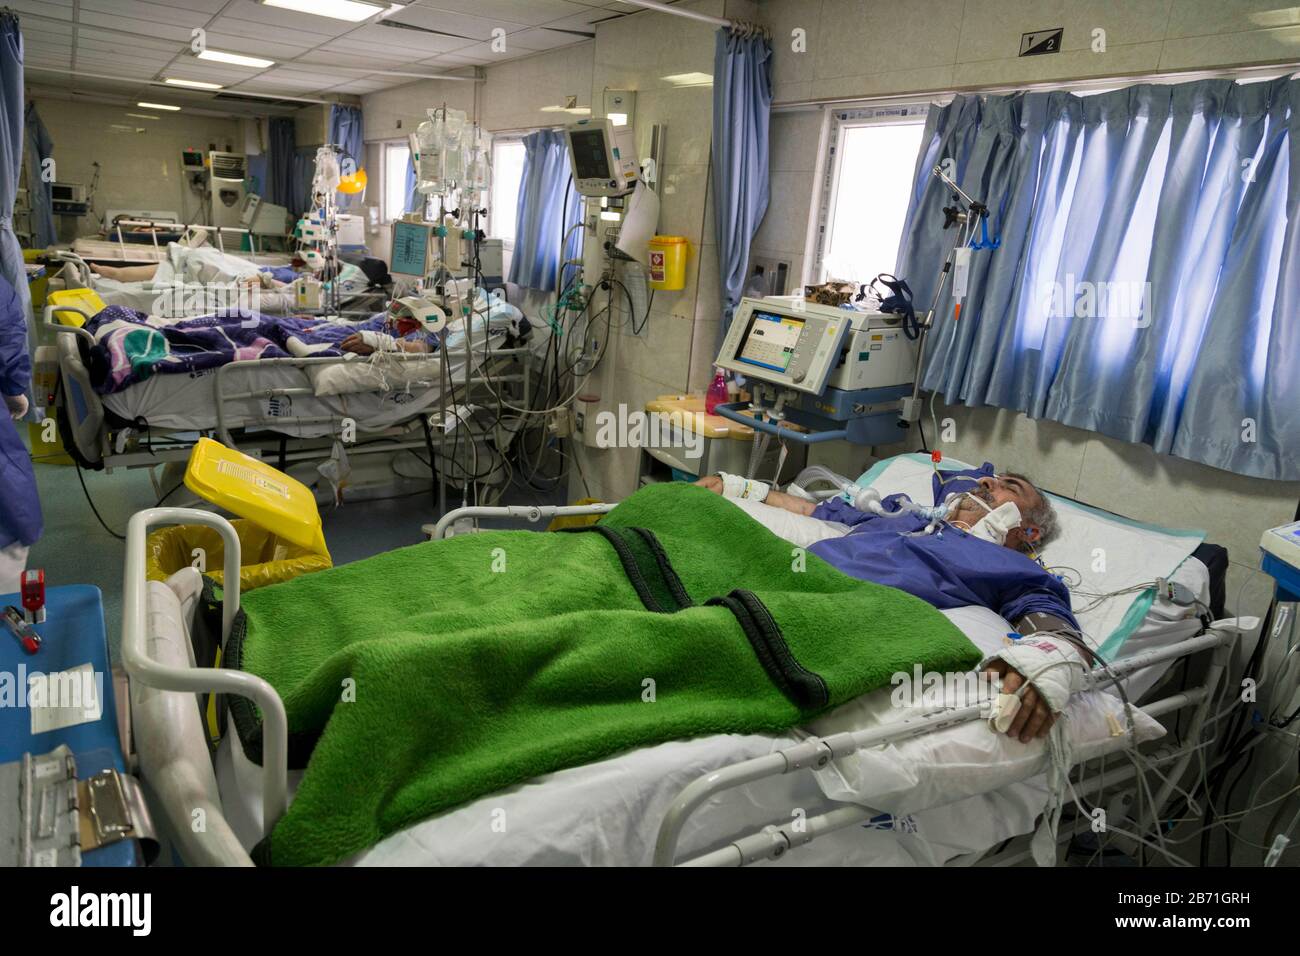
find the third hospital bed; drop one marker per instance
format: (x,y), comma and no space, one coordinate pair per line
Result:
(868,783)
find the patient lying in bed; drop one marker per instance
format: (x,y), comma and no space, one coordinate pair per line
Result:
(208,265)
(961,563)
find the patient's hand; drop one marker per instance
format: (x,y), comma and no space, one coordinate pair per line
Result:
(356,344)
(1035,718)
(712,482)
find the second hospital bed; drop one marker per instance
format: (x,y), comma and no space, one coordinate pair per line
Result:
(257,404)
(875,784)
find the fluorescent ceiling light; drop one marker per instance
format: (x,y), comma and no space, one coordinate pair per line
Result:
(354,11)
(618,119)
(690,79)
(1281,17)
(238,59)
(158,106)
(141,115)
(192,84)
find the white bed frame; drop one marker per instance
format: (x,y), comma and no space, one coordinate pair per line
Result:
(152,252)
(177,766)
(92,437)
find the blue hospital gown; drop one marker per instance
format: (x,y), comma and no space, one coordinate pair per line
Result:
(950,570)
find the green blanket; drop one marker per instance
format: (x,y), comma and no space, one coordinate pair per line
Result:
(425,677)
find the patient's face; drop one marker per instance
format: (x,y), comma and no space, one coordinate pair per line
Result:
(1001,489)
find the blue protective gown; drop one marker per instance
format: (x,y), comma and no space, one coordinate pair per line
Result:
(20,509)
(947,569)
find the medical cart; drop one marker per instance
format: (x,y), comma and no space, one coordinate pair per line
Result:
(66,798)
(724,445)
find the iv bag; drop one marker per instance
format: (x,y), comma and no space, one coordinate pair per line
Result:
(328,174)
(442,151)
(478,175)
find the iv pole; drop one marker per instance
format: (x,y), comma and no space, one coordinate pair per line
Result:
(965,219)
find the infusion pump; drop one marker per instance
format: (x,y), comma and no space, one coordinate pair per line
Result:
(810,348)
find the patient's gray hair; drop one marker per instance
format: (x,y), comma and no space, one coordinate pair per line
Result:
(1040,515)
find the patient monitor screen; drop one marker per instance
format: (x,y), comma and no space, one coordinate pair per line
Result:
(590,158)
(770,341)
(410,248)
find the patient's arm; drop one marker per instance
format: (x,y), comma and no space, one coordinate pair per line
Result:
(126,273)
(777,499)
(357,342)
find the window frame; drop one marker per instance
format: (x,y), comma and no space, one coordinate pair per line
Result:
(502,139)
(387,145)
(840,119)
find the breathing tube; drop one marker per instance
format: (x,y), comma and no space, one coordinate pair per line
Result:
(867,499)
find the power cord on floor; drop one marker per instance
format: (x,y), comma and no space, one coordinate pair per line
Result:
(90,501)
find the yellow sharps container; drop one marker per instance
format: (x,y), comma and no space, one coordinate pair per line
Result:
(668,263)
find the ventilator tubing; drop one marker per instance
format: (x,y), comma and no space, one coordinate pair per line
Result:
(864,499)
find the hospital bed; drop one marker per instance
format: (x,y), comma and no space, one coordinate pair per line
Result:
(117,244)
(866,784)
(357,300)
(288,410)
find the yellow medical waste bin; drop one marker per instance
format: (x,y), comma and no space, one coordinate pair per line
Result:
(668,263)
(279,527)
(85,299)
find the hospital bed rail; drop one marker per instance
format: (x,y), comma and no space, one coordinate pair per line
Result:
(187,232)
(773,841)
(164,760)
(179,770)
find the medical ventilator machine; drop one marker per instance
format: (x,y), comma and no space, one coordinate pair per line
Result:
(838,372)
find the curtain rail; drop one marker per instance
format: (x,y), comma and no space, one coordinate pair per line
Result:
(740,27)
(1264,71)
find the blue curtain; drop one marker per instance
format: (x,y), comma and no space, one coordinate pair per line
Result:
(12,120)
(1148,277)
(742,107)
(304,168)
(347,132)
(41,191)
(280,156)
(543,216)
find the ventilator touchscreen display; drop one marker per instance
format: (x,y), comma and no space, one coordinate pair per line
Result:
(771,341)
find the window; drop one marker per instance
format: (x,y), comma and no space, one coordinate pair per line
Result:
(397,164)
(507,174)
(872,162)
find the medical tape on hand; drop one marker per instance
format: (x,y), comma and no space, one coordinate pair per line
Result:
(733,486)
(1050,666)
(377,340)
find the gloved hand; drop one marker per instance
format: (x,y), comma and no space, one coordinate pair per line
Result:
(17,405)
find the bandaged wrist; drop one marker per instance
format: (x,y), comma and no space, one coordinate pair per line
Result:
(1053,666)
(733,486)
(377,340)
